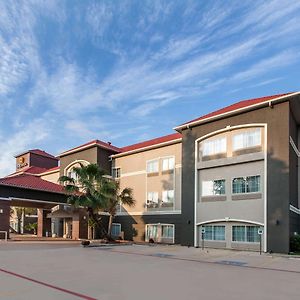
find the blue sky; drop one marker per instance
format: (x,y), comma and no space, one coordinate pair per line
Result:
(126,71)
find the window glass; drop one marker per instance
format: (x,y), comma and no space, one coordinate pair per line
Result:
(168,163)
(153,197)
(252,234)
(152,232)
(167,231)
(116,173)
(219,233)
(213,187)
(247,234)
(247,139)
(168,196)
(152,166)
(238,233)
(73,175)
(116,229)
(249,184)
(208,235)
(214,146)
(214,233)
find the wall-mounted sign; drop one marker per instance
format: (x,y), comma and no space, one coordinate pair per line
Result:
(21,163)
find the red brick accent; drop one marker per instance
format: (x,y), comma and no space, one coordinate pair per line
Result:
(44,223)
(79,225)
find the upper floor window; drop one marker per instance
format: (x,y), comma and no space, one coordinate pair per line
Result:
(152,199)
(213,187)
(152,166)
(214,146)
(168,197)
(247,139)
(168,163)
(249,184)
(72,175)
(116,172)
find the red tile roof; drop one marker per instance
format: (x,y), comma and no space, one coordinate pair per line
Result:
(52,169)
(235,106)
(159,140)
(99,143)
(30,170)
(32,182)
(38,152)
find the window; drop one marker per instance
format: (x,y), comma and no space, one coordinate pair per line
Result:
(158,232)
(215,146)
(247,139)
(152,166)
(168,163)
(249,184)
(116,172)
(152,199)
(214,233)
(247,234)
(72,175)
(167,231)
(116,229)
(213,187)
(167,198)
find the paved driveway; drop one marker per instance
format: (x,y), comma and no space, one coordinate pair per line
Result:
(68,271)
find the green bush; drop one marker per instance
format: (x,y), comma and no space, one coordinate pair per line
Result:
(295,243)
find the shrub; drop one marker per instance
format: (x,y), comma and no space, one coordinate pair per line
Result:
(295,243)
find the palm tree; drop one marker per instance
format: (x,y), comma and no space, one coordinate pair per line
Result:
(87,190)
(116,198)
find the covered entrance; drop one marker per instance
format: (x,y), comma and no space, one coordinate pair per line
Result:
(55,218)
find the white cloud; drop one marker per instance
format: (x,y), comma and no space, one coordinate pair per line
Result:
(31,134)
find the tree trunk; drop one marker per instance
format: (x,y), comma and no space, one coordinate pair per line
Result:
(110,225)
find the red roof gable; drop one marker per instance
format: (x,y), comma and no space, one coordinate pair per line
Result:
(159,140)
(38,152)
(30,170)
(52,169)
(99,143)
(32,182)
(235,106)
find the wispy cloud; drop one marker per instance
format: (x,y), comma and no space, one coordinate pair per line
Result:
(85,67)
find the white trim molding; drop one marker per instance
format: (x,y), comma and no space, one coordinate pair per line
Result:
(78,161)
(294,147)
(236,111)
(294,209)
(159,145)
(227,220)
(149,213)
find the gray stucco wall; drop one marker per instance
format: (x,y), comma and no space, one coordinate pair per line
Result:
(278,159)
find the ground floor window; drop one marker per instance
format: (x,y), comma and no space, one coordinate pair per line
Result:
(160,233)
(115,229)
(214,232)
(247,234)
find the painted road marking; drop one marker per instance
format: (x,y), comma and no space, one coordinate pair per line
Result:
(48,285)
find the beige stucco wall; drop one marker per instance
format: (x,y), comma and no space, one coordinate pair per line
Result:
(134,175)
(52,177)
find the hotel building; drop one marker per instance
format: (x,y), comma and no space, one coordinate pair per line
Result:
(228,179)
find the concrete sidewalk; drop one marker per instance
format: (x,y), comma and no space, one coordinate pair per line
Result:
(248,259)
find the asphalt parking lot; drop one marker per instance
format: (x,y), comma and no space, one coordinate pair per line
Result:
(67,271)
